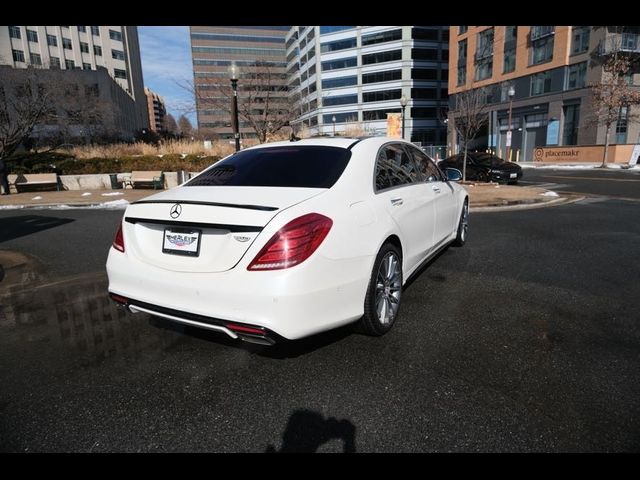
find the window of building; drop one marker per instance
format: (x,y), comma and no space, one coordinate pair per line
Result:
(425,54)
(337,45)
(69,64)
(333,100)
(580,39)
(86,66)
(52,40)
(117,54)
(14,32)
(332,28)
(18,55)
(622,125)
(373,115)
(541,44)
(115,35)
(462,29)
(541,83)
(340,117)
(339,63)
(424,93)
(32,36)
(66,43)
(118,73)
(430,34)
(377,77)
(339,82)
(95,31)
(381,95)
(510,43)
(576,75)
(84,47)
(55,62)
(381,37)
(97,50)
(424,73)
(423,112)
(82,28)
(462,75)
(571,115)
(35,59)
(484,54)
(381,57)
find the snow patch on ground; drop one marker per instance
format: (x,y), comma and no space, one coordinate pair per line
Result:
(549,194)
(37,198)
(86,194)
(112,194)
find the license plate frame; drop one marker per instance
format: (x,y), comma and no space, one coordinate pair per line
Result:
(185,234)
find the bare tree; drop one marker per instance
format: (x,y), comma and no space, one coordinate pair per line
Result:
(170,124)
(25,101)
(469,117)
(262,98)
(614,93)
(185,127)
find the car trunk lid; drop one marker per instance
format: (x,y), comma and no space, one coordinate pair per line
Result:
(204,229)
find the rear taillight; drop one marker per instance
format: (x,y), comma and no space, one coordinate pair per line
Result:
(293,243)
(118,242)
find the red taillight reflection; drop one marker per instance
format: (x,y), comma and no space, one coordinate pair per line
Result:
(243,329)
(118,242)
(293,243)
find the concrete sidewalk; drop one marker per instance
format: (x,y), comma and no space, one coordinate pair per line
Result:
(480,194)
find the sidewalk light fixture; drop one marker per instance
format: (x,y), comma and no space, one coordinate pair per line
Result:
(234,73)
(403,102)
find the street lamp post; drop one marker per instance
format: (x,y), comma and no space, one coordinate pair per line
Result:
(403,102)
(234,73)
(511,92)
(333,119)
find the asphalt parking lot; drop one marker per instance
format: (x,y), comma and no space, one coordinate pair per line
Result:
(525,340)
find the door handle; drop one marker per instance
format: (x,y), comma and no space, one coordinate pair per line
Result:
(436,188)
(396,202)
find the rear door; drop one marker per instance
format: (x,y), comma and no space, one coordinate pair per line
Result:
(440,192)
(401,193)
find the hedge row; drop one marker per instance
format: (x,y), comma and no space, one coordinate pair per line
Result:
(67,165)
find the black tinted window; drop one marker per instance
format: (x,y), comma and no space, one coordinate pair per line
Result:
(291,166)
(425,165)
(394,167)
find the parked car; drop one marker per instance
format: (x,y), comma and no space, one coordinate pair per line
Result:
(485,167)
(287,239)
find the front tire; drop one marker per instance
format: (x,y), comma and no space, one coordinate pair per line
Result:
(463,226)
(382,302)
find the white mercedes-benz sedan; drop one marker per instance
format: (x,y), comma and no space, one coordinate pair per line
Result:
(288,239)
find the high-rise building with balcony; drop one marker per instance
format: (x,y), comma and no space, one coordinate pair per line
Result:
(549,71)
(157,111)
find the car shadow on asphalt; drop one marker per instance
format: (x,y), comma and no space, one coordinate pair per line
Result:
(279,351)
(418,273)
(23,225)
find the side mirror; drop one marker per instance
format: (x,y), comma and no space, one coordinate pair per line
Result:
(453,174)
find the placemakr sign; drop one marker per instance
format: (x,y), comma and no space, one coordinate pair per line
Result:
(579,154)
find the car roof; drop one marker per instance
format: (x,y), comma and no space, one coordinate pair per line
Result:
(343,142)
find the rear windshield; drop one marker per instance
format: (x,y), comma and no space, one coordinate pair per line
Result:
(290,166)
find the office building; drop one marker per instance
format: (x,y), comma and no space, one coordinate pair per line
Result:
(253,49)
(548,70)
(113,48)
(157,111)
(348,78)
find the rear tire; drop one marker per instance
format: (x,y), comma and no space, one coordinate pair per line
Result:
(382,302)
(463,226)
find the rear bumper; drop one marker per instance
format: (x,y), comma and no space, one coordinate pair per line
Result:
(506,176)
(320,294)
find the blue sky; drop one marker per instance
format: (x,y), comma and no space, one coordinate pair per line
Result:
(166,63)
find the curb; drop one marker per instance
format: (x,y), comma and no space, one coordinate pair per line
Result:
(525,205)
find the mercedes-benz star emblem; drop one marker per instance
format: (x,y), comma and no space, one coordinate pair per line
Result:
(175,211)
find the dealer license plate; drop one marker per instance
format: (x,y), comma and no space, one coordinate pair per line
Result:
(513,175)
(181,241)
